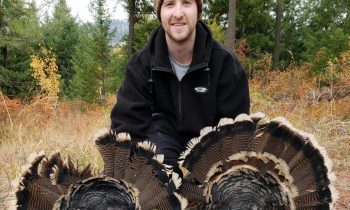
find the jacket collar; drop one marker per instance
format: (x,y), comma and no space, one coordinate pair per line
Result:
(159,55)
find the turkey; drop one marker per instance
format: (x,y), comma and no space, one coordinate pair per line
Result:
(256,163)
(134,178)
(247,163)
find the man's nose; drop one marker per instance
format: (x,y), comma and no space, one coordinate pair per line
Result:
(178,11)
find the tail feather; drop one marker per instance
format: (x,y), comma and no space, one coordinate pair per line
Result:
(68,174)
(148,171)
(105,145)
(114,149)
(193,194)
(313,198)
(242,132)
(123,147)
(154,198)
(139,162)
(47,165)
(216,146)
(214,157)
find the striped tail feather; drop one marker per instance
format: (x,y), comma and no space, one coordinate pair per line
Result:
(68,174)
(139,162)
(114,149)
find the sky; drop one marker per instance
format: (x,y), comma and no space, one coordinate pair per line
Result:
(80,8)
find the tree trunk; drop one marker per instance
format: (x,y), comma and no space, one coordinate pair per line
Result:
(5,57)
(131,27)
(231,30)
(4,50)
(276,51)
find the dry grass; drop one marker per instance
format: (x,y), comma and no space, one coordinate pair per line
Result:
(69,126)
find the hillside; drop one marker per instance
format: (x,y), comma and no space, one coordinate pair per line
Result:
(121,27)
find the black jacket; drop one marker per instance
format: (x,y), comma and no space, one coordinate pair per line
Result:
(215,86)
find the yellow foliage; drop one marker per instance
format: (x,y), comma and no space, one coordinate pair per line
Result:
(118,51)
(217,31)
(45,70)
(344,59)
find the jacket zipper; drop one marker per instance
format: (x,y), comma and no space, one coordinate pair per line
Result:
(180,103)
(179,92)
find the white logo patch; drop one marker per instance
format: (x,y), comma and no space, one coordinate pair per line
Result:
(201,89)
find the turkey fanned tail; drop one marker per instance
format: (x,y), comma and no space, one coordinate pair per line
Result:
(143,169)
(256,163)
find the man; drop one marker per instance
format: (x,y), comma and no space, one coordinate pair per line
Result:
(182,81)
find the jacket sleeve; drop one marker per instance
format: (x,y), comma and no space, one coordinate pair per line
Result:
(233,91)
(132,113)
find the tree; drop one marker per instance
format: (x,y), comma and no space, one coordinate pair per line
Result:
(142,34)
(139,11)
(276,51)
(102,37)
(4,28)
(19,31)
(231,30)
(132,5)
(253,20)
(18,26)
(323,30)
(84,84)
(92,60)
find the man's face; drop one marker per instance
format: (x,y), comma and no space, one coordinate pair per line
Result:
(179,18)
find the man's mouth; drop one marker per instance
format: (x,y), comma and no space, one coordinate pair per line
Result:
(178,24)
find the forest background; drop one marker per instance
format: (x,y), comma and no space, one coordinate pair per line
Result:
(59,76)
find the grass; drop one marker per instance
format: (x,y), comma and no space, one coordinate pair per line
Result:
(69,127)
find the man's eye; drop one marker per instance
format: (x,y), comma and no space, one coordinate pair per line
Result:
(187,2)
(168,4)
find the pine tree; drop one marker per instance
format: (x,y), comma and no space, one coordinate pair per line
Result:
(92,60)
(19,31)
(84,84)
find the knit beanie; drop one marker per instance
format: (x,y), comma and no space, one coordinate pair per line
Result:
(158,5)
